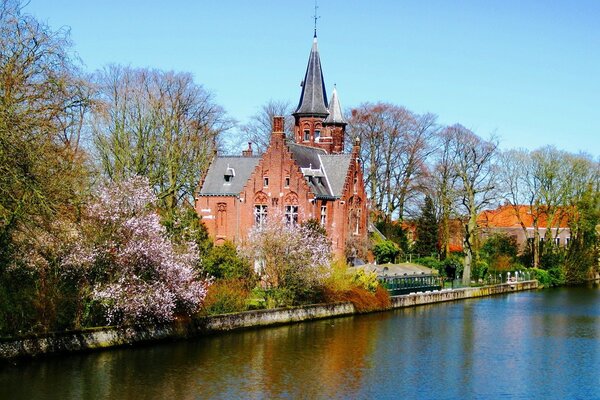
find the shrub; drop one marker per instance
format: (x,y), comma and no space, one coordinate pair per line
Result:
(366,280)
(549,278)
(224,262)
(431,262)
(480,270)
(453,266)
(386,251)
(226,296)
(362,299)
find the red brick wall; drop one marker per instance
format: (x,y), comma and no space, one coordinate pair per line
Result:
(230,218)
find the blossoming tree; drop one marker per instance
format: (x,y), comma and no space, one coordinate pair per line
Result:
(291,256)
(132,266)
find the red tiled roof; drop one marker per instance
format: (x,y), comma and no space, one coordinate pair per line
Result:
(508,216)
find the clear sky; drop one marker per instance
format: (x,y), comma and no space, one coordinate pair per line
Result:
(527,71)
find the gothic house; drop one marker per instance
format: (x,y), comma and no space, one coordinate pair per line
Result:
(308,178)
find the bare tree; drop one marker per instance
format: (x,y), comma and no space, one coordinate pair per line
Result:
(396,144)
(473,165)
(156,124)
(260,126)
(442,186)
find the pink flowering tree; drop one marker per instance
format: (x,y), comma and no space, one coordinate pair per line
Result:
(131,267)
(289,256)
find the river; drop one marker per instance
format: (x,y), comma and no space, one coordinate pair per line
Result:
(530,345)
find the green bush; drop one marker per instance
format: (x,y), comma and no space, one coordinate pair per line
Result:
(549,278)
(480,270)
(453,266)
(224,262)
(386,251)
(431,262)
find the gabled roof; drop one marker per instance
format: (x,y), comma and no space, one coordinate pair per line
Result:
(335,110)
(325,173)
(336,169)
(313,98)
(238,167)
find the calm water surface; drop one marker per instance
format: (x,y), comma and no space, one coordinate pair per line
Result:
(528,345)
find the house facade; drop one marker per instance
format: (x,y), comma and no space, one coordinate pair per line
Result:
(520,221)
(308,178)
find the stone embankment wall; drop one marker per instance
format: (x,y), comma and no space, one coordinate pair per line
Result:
(100,338)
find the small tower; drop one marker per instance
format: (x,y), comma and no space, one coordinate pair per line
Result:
(312,108)
(335,124)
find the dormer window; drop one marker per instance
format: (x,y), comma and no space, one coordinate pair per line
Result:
(317,135)
(229,174)
(306,135)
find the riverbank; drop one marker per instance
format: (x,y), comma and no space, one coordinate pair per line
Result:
(108,337)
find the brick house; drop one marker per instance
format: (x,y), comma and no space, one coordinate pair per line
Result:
(307,178)
(518,221)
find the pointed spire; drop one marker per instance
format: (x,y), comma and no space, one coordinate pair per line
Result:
(335,110)
(313,99)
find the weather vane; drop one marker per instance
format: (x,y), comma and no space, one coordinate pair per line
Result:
(316,17)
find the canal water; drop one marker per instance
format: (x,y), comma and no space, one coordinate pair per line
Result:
(529,345)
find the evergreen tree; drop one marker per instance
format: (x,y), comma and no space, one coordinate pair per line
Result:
(427,230)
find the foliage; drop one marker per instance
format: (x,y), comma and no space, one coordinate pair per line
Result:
(224,262)
(500,251)
(43,175)
(123,252)
(183,225)
(226,296)
(366,280)
(480,270)
(427,230)
(549,278)
(431,262)
(293,257)
(453,266)
(386,252)
(393,231)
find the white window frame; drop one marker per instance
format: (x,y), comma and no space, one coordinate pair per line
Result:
(260,214)
(291,215)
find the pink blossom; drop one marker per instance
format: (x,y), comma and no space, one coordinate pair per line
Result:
(136,272)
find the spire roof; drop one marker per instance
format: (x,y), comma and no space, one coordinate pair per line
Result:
(313,99)
(335,110)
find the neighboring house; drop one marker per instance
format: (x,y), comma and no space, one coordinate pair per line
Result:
(511,219)
(309,178)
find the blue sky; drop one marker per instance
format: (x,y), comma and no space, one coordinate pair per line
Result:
(527,71)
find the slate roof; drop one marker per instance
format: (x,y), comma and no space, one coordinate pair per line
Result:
(336,168)
(313,99)
(214,182)
(335,110)
(324,173)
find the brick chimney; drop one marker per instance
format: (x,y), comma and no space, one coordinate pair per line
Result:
(248,151)
(278,124)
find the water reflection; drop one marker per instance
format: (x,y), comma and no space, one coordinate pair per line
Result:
(543,344)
